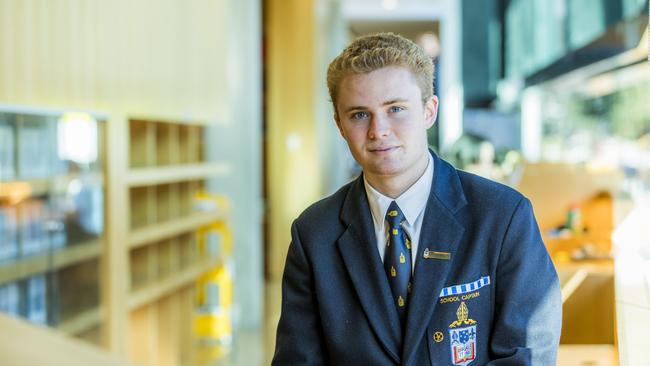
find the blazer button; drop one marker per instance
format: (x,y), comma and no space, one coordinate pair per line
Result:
(438,337)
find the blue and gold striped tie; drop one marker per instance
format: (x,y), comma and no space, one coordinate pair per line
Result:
(397,259)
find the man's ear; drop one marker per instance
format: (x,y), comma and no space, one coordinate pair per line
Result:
(430,111)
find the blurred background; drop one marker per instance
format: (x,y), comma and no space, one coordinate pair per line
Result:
(153,155)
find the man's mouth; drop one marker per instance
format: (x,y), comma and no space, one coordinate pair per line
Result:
(382,149)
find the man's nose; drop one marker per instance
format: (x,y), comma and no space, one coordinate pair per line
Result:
(379,127)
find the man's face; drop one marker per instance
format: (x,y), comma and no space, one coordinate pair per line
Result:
(381,116)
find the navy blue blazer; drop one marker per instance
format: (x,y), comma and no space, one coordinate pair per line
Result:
(494,299)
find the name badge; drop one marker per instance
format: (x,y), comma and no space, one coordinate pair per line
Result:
(429,254)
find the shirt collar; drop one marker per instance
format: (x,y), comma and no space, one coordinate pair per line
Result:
(412,202)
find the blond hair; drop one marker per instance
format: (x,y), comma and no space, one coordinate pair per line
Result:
(375,51)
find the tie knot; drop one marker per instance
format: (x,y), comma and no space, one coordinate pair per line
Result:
(394,215)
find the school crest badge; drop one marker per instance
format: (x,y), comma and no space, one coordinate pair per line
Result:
(462,337)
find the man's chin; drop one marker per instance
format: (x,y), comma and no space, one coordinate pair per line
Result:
(382,171)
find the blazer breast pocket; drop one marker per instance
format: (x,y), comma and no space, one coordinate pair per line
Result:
(460,324)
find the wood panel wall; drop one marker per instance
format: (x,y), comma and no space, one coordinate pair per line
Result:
(161,57)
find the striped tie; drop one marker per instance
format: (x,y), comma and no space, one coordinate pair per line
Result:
(397,259)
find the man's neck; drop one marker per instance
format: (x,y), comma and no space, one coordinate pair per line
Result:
(394,185)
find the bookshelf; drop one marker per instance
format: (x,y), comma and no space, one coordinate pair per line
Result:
(161,178)
(172,228)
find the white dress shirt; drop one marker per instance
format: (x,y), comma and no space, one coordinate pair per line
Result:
(412,203)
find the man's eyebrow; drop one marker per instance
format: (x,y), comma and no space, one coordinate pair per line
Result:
(354,108)
(392,101)
(388,102)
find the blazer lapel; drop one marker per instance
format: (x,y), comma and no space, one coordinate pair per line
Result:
(440,232)
(361,258)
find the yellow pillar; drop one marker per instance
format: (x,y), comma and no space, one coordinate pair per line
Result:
(293,172)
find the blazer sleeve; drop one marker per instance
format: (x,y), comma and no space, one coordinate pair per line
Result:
(299,339)
(528,305)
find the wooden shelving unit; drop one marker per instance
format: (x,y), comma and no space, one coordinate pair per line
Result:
(172,228)
(154,238)
(169,284)
(156,175)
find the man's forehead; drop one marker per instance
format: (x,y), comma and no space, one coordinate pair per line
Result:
(382,86)
(383,72)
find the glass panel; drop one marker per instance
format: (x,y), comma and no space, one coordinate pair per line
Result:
(51,218)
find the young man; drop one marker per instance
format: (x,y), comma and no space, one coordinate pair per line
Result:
(414,262)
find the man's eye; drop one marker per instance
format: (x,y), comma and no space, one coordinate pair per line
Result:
(359,115)
(395,109)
